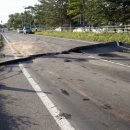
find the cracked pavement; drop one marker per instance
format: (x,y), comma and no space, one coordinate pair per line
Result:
(91,92)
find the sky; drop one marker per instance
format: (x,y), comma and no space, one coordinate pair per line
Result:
(8,7)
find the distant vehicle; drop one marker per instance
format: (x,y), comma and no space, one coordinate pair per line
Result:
(20,30)
(27,30)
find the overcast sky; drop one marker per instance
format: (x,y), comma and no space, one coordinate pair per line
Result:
(8,7)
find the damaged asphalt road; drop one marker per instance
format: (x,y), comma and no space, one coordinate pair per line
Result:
(88,83)
(102,49)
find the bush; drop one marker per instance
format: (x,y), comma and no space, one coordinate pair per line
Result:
(100,37)
(1,41)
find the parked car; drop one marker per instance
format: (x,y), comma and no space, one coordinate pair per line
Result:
(20,30)
(27,30)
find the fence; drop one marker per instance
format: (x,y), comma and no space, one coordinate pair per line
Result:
(107,29)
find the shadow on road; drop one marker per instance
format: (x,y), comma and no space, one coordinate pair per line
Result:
(5,74)
(9,121)
(3,87)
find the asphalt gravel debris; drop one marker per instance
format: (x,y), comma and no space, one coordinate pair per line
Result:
(65,92)
(67,60)
(66,115)
(107,106)
(86,99)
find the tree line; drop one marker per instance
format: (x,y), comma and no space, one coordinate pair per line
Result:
(54,13)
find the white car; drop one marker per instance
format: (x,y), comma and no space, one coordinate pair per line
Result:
(20,30)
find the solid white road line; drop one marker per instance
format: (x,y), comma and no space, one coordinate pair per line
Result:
(122,46)
(109,61)
(63,123)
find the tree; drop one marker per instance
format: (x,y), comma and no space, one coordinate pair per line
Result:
(76,10)
(117,11)
(30,13)
(15,20)
(52,12)
(94,14)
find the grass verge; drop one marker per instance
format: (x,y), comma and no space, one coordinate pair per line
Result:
(99,37)
(1,41)
(1,45)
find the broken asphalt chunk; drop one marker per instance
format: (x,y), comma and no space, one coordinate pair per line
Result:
(66,115)
(65,92)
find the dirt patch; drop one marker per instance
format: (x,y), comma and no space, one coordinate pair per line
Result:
(26,48)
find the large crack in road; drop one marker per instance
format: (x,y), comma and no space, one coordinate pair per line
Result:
(90,94)
(102,49)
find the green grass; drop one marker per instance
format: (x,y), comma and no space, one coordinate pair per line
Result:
(100,37)
(1,41)
(1,45)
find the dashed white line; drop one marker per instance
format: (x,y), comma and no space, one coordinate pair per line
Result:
(63,123)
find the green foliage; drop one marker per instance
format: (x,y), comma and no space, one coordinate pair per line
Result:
(94,14)
(52,12)
(19,20)
(76,10)
(1,41)
(117,11)
(101,37)
(73,12)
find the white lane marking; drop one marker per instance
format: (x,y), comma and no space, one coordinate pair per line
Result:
(63,123)
(121,46)
(109,61)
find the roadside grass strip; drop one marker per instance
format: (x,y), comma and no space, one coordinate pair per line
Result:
(1,41)
(99,37)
